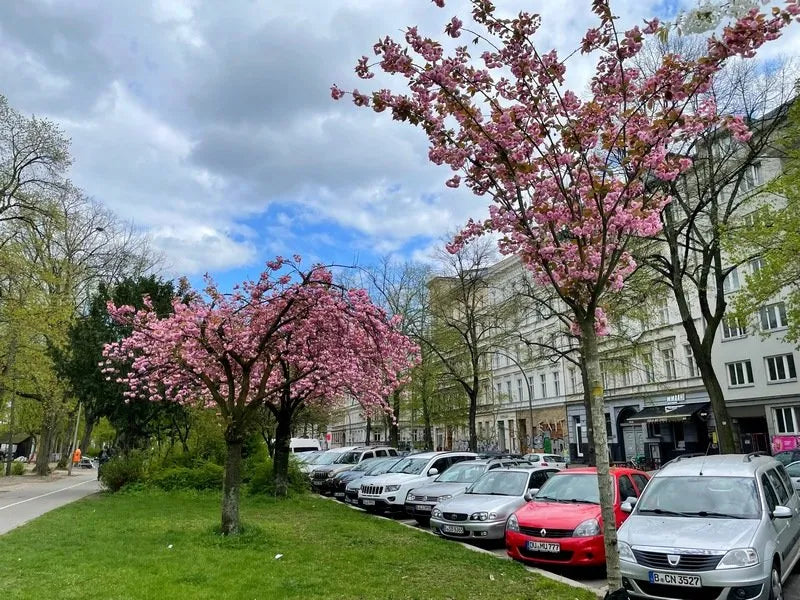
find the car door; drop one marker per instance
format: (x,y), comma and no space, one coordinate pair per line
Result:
(775,495)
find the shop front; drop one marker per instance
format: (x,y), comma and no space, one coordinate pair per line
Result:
(665,432)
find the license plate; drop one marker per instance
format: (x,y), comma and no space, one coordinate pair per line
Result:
(675,579)
(368,502)
(423,508)
(544,547)
(452,529)
(338,494)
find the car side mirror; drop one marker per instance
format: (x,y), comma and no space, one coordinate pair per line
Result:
(626,507)
(433,471)
(530,494)
(782,512)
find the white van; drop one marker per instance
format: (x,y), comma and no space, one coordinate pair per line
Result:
(304,445)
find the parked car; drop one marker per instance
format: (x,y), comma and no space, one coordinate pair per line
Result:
(389,491)
(326,458)
(302,445)
(546,460)
(562,525)
(86,463)
(716,526)
(341,479)
(787,456)
(373,472)
(793,469)
(420,501)
(323,475)
(307,457)
(481,512)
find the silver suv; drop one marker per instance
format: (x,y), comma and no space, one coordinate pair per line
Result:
(322,476)
(723,527)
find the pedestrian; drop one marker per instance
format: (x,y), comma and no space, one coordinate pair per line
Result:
(76,457)
(104,456)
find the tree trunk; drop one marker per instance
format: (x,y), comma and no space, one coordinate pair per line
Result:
(727,443)
(590,457)
(394,431)
(473,414)
(605,483)
(43,453)
(231,485)
(86,438)
(369,431)
(280,462)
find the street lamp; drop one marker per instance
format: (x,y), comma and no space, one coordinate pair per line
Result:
(528,385)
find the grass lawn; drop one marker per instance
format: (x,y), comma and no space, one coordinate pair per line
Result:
(164,545)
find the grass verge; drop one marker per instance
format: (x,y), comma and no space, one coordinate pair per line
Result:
(164,545)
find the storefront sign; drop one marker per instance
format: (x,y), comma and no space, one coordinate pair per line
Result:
(785,442)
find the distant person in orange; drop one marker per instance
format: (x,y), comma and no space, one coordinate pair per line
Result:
(76,456)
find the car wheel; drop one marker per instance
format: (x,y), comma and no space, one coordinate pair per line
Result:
(775,586)
(424,521)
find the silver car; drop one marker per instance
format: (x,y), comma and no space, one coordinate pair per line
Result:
(724,527)
(454,481)
(481,512)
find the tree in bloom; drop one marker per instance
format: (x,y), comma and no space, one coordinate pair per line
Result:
(567,175)
(290,339)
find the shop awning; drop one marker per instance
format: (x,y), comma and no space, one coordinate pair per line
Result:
(664,414)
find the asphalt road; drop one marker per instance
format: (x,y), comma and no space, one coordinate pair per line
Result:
(27,498)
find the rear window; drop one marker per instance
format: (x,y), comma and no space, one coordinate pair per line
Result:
(553,458)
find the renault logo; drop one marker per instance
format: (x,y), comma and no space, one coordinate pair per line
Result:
(673,559)
(543,532)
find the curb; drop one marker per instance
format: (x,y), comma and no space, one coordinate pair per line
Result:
(599,592)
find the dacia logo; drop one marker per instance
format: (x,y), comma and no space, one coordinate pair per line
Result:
(673,559)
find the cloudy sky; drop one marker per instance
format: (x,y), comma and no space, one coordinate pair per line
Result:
(210,124)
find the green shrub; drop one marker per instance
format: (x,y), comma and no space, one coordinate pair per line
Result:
(17,468)
(205,476)
(262,480)
(123,470)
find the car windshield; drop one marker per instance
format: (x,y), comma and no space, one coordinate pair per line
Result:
(348,458)
(701,496)
(412,466)
(463,473)
(500,483)
(307,457)
(570,488)
(365,464)
(381,466)
(328,458)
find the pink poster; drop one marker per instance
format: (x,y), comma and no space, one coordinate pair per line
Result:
(785,442)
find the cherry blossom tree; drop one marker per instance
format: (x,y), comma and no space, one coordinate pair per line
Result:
(290,339)
(567,175)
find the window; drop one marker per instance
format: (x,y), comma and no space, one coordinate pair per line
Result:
(785,420)
(543,384)
(531,387)
(740,373)
(773,316)
(519,389)
(626,489)
(626,372)
(752,177)
(608,425)
(731,281)
(777,485)
(499,392)
(508,391)
(606,376)
(769,494)
(733,328)
(573,380)
(556,383)
(653,430)
(781,368)
(661,310)
(756,265)
(640,481)
(690,364)
(668,356)
(678,434)
(649,371)
(578,436)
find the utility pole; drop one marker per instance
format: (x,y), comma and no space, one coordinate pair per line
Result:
(74,440)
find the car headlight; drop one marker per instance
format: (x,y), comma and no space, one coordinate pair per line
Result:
(738,558)
(512,524)
(436,513)
(411,497)
(588,528)
(625,552)
(391,488)
(443,498)
(479,516)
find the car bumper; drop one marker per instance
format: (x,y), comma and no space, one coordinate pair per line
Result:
(587,551)
(381,504)
(322,486)
(717,584)
(481,530)
(419,509)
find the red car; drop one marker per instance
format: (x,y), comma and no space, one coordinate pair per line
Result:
(562,524)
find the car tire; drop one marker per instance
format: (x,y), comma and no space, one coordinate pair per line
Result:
(423,521)
(775,585)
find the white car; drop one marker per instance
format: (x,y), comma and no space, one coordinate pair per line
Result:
(538,459)
(388,492)
(793,469)
(326,458)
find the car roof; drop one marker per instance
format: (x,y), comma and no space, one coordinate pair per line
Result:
(441,453)
(593,471)
(525,469)
(719,465)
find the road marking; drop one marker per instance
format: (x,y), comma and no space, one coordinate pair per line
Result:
(69,487)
